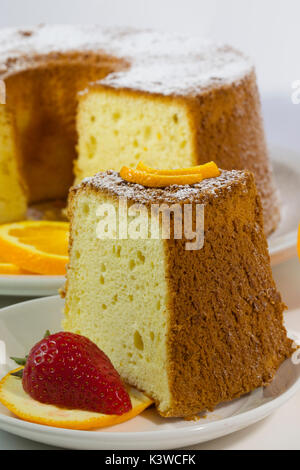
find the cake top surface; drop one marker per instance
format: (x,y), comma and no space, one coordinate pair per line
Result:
(164,63)
(111,183)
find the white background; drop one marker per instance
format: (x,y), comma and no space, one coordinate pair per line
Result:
(268,30)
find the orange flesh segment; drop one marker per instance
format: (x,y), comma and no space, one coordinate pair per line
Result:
(36,246)
(13,397)
(154,178)
(9,268)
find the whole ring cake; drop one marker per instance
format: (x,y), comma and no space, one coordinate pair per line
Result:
(167,99)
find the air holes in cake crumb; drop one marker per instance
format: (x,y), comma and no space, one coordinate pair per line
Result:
(152,336)
(93,119)
(91,147)
(77,254)
(141,257)
(135,143)
(183,144)
(86,209)
(158,305)
(130,297)
(116,116)
(137,156)
(104,307)
(138,341)
(158,135)
(102,279)
(132,264)
(103,267)
(118,252)
(115,298)
(147,132)
(175,118)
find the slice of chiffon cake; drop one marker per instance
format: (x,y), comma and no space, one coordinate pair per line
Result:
(190,327)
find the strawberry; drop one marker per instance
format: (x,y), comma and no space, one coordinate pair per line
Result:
(68,370)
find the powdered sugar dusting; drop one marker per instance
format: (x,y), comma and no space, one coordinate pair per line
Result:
(111,182)
(160,62)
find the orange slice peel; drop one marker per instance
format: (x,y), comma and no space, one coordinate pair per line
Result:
(39,247)
(154,178)
(13,397)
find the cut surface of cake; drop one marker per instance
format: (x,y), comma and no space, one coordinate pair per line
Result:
(168,99)
(13,200)
(190,328)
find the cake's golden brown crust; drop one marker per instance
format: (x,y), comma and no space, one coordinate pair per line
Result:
(227,126)
(226,333)
(225,321)
(44,67)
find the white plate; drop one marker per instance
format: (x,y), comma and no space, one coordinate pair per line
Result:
(23,324)
(282,243)
(286,167)
(30,285)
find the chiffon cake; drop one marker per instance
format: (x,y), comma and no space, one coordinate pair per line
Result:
(190,328)
(97,98)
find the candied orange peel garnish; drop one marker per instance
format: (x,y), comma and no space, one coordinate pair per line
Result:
(177,171)
(153,178)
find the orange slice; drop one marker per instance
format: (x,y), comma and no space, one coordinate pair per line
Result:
(36,246)
(298,242)
(13,396)
(9,268)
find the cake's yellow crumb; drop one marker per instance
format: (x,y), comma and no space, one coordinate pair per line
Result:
(117,129)
(12,192)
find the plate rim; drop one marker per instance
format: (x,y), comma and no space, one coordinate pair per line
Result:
(243,419)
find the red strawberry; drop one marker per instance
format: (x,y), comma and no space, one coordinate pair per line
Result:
(69,370)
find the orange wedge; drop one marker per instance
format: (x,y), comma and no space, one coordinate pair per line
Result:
(13,396)
(37,246)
